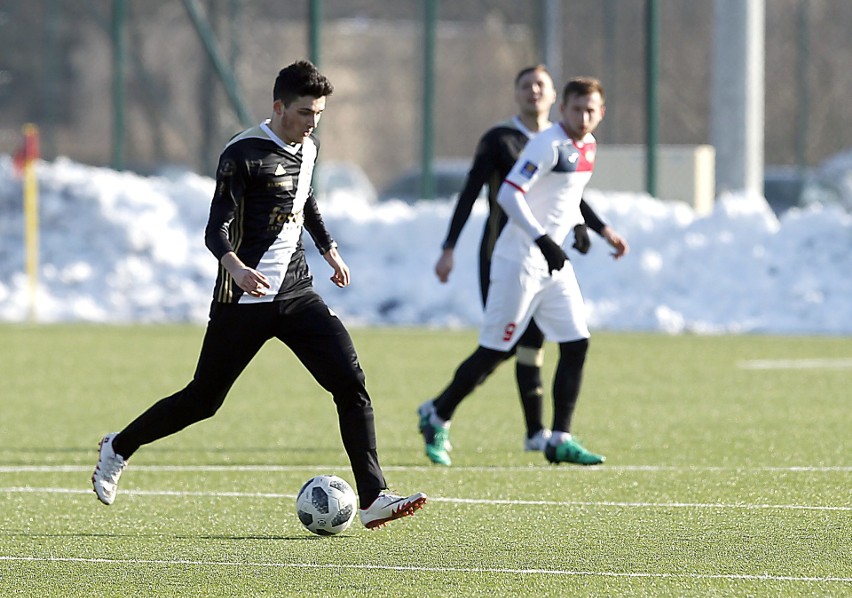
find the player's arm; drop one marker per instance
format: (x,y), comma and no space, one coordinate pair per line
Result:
(537,158)
(230,184)
(231,177)
(511,198)
(480,170)
(612,237)
(324,243)
(593,221)
(582,243)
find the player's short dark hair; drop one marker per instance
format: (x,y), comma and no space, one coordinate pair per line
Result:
(300,79)
(582,86)
(531,69)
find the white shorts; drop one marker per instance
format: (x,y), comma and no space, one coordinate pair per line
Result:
(519,293)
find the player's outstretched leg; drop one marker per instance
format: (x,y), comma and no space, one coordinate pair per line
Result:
(387,507)
(108,470)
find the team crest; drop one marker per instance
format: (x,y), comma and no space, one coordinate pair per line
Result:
(528,170)
(227,167)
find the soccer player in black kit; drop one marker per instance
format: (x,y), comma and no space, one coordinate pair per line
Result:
(496,153)
(264,290)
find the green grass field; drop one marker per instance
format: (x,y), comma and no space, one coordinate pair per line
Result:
(725,475)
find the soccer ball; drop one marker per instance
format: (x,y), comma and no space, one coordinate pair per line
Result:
(326,505)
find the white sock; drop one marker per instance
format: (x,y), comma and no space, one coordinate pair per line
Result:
(557,437)
(437,421)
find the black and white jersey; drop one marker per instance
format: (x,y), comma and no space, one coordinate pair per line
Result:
(262,201)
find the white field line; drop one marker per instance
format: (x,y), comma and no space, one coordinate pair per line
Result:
(795,364)
(475,501)
(557,572)
(519,468)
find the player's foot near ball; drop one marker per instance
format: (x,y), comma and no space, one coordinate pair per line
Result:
(571,451)
(388,507)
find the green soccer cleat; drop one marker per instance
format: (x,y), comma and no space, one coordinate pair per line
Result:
(437,438)
(571,451)
(424,412)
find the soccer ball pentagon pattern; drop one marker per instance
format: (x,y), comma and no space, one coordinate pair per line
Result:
(326,505)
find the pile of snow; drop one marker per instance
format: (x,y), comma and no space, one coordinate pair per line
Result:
(117,247)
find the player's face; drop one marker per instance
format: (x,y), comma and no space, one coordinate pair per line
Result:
(298,120)
(582,114)
(534,93)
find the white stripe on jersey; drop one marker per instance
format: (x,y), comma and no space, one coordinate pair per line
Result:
(275,261)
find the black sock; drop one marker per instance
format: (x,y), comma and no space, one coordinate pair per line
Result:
(531,392)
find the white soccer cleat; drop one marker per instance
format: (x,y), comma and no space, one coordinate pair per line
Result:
(109,468)
(388,507)
(538,441)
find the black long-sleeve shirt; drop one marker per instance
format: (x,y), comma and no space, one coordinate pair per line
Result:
(263,200)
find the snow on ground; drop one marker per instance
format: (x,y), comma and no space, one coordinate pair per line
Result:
(118,247)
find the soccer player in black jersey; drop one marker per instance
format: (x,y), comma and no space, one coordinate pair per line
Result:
(264,290)
(496,153)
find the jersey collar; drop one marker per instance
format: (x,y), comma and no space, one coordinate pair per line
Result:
(588,137)
(292,149)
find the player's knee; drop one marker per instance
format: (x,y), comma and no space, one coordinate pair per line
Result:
(350,389)
(201,404)
(530,356)
(574,351)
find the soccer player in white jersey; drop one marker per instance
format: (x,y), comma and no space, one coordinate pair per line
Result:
(531,276)
(497,151)
(262,202)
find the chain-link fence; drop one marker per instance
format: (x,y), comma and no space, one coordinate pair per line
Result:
(56,69)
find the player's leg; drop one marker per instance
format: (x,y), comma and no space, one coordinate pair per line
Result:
(233,336)
(567,381)
(529,357)
(508,311)
(472,372)
(434,416)
(561,315)
(321,342)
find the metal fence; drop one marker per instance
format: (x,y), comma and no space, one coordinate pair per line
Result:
(58,59)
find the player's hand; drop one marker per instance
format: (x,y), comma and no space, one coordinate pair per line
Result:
(553,253)
(582,242)
(248,279)
(252,282)
(617,242)
(444,265)
(341,277)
